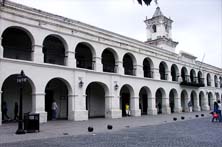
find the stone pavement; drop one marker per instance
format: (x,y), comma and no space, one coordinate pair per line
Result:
(61,128)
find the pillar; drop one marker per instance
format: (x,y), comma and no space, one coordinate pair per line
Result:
(120,69)
(37,55)
(165,106)
(156,73)
(186,104)
(112,109)
(152,106)
(205,106)
(98,64)
(177,106)
(38,106)
(70,59)
(79,105)
(134,106)
(139,71)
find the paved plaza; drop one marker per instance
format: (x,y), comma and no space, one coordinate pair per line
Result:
(161,131)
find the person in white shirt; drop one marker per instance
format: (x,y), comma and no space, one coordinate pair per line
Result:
(54,110)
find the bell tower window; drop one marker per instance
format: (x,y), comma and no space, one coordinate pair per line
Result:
(154,28)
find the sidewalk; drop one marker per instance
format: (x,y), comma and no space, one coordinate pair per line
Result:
(64,127)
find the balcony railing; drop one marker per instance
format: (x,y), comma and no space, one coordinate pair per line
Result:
(195,82)
(148,73)
(163,76)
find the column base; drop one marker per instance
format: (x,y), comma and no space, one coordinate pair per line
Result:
(114,114)
(152,111)
(166,110)
(0,118)
(206,108)
(135,112)
(78,115)
(178,110)
(196,109)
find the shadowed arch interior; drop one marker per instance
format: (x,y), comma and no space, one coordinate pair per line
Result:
(108,61)
(84,57)
(128,65)
(17,44)
(54,50)
(147,68)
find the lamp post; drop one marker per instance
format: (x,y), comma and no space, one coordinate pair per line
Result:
(21,80)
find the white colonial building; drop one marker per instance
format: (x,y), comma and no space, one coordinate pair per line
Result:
(91,72)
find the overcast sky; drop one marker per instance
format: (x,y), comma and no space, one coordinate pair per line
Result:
(197,23)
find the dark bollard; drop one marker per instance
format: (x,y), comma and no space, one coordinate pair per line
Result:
(197,115)
(174,118)
(202,115)
(109,127)
(90,129)
(182,117)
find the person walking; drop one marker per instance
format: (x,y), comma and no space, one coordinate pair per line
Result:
(219,110)
(127,109)
(54,110)
(190,106)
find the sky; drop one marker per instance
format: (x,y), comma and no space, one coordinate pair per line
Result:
(197,24)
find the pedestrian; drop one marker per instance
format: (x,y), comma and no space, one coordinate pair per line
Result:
(5,111)
(54,109)
(190,106)
(127,109)
(159,108)
(16,111)
(219,110)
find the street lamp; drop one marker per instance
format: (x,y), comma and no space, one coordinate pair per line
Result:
(21,80)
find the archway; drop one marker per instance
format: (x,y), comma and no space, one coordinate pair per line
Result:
(54,50)
(193,76)
(57,90)
(208,80)
(11,95)
(217,96)
(201,100)
(128,64)
(144,95)
(184,101)
(163,70)
(17,44)
(160,94)
(95,100)
(200,78)
(84,56)
(215,81)
(147,68)
(174,72)
(210,101)
(184,74)
(173,95)
(126,93)
(193,97)
(108,61)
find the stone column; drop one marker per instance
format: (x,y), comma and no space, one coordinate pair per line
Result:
(80,113)
(1,48)
(98,64)
(38,106)
(139,71)
(0,108)
(177,106)
(186,104)
(37,55)
(112,109)
(196,105)
(120,69)
(205,106)
(165,106)
(70,59)
(134,106)
(71,103)
(156,73)
(152,106)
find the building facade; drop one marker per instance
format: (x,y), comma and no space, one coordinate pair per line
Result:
(91,72)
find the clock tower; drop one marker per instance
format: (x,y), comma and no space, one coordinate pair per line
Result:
(159,31)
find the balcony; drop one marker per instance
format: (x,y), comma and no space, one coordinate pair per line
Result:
(195,82)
